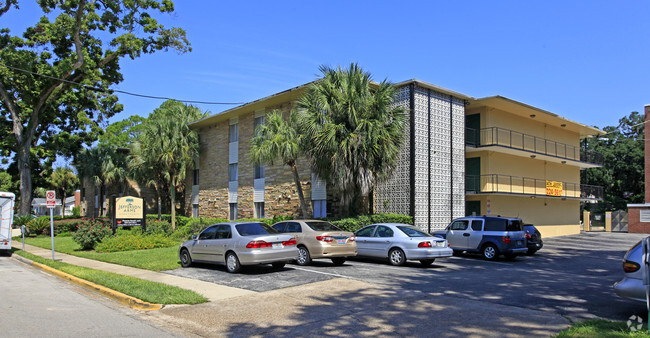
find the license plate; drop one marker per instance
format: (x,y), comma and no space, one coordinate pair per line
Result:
(520,243)
(278,246)
(440,244)
(340,241)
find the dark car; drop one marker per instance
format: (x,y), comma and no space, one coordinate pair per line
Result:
(488,235)
(534,239)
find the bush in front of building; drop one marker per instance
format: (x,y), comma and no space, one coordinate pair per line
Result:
(91,232)
(133,241)
(155,226)
(181,221)
(355,223)
(37,225)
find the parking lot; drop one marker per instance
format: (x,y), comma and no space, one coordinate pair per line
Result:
(571,276)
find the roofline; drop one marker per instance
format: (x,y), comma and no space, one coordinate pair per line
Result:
(434,87)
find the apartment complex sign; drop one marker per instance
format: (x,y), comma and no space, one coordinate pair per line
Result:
(129,211)
(554,188)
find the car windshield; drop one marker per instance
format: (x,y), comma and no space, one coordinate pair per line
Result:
(322,226)
(251,229)
(413,232)
(515,225)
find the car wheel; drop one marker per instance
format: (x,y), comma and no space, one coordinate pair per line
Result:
(490,252)
(186,259)
(232,263)
(396,256)
(304,258)
(426,262)
(531,252)
(338,260)
(278,265)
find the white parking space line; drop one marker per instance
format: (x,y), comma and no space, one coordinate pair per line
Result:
(380,266)
(480,261)
(322,273)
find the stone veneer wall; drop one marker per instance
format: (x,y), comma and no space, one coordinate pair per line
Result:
(281,198)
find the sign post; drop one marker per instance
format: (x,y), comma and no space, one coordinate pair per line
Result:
(50,200)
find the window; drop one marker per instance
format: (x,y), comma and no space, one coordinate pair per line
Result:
(320,208)
(293,227)
(195,210)
(259,209)
(234,133)
(383,231)
(366,232)
(195,179)
(223,231)
(208,233)
(279,226)
(233,211)
(249,229)
(322,226)
(258,122)
(459,225)
(232,172)
(413,232)
(477,225)
(259,171)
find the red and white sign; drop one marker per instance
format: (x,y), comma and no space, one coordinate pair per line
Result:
(50,199)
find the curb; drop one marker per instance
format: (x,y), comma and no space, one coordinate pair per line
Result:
(118,296)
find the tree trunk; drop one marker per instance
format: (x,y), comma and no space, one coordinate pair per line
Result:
(159,204)
(172,196)
(296,179)
(25,179)
(63,206)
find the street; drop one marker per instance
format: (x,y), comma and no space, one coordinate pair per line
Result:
(37,304)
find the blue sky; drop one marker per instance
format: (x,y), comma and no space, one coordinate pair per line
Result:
(584,60)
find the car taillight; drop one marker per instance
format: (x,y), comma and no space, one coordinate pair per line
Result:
(258,244)
(290,242)
(505,239)
(629,266)
(424,245)
(352,239)
(324,238)
(528,236)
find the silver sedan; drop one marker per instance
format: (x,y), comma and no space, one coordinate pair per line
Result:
(239,243)
(399,243)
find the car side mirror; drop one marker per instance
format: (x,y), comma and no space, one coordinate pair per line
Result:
(194,237)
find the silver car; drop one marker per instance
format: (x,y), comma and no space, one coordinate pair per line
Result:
(399,243)
(631,286)
(239,243)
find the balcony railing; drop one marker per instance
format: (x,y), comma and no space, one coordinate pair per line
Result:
(495,136)
(505,184)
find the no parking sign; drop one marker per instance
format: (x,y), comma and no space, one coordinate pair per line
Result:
(50,199)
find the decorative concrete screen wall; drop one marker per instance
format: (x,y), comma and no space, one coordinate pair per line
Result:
(429,181)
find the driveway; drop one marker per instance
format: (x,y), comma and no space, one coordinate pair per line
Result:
(571,276)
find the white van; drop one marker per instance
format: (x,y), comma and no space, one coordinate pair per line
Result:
(6,220)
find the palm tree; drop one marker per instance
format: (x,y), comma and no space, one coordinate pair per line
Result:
(354,131)
(89,163)
(167,147)
(63,180)
(279,139)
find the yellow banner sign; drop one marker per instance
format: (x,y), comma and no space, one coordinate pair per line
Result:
(554,188)
(129,207)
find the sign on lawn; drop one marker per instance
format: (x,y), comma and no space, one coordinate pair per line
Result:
(50,199)
(129,212)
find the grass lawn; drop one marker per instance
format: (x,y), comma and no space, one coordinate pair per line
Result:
(152,292)
(153,259)
(603,328)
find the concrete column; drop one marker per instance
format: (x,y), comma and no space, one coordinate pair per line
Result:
(586,221)
(608,221)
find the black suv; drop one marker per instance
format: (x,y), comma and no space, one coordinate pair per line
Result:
(534,239)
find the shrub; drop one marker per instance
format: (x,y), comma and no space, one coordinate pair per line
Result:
(37,225)
(181,221)
(64,234)
(64,226)
(155,226)
(91,232)
(76,211)
(20,220)
(128,242)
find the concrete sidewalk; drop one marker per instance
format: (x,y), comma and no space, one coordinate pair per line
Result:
(211,291)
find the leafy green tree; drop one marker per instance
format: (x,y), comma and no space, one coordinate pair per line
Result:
(64,181)
(622,174)
(167,148)
(279,139)
(354,132)
(55,79)
(6,182)
(122,133)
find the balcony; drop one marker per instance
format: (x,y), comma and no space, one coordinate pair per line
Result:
(521,144)
(526,186)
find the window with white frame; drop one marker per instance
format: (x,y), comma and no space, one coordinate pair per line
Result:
(258,122)
(259,171)
(233,211)
(234,133)
(232,172)
(259,209)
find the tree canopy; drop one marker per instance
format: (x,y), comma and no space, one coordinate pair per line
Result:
(622,174)
(55,79)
